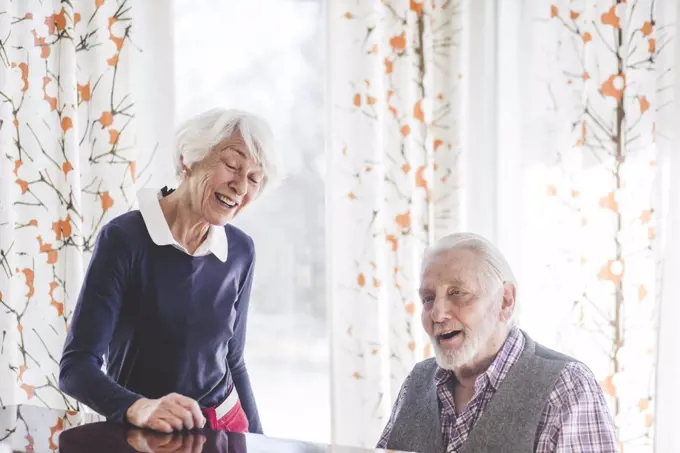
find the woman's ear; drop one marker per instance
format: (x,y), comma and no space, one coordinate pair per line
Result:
(185,169)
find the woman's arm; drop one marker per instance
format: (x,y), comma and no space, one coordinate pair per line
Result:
(235,360)
(95,315)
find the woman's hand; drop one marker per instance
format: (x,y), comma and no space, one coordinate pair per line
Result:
(170,413)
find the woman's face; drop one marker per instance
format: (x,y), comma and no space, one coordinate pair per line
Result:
(225,181)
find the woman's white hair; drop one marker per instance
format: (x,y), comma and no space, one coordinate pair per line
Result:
(197,136)
(496,270)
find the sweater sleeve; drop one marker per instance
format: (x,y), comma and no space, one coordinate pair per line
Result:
(96,313)
(235,356)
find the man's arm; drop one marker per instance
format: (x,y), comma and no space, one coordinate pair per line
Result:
(576,417)
(235,356)
(382,443)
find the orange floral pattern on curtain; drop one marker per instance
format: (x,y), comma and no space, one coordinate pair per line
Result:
(394,84)
(67,167)
(601,73)
(24,423)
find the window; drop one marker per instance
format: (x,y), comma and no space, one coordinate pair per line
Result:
(266,57)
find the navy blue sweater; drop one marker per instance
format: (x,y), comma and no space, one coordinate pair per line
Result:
(167,321)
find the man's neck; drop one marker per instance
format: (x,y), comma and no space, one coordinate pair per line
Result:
(468,374)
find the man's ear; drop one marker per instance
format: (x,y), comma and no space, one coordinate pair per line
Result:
(508,302)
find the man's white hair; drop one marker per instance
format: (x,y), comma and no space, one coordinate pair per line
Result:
(198,135)
(495,268)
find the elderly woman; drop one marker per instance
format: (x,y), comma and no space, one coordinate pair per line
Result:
(166,294)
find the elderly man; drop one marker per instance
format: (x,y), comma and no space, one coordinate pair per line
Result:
(491,388)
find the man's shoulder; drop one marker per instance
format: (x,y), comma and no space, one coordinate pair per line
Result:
(576,386)
(550,354)
(424,372)
(579,376)
(421,372)
(575,381)
(425,365)
(546,353)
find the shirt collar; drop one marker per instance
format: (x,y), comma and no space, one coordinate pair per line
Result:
(506,357)
(150,208)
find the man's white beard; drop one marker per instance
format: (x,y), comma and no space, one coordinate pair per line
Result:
(473,343)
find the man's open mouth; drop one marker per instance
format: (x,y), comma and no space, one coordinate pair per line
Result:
(449,335)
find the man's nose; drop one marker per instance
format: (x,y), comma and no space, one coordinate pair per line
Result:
(441,310)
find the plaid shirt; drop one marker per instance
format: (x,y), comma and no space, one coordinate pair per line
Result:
(575,418)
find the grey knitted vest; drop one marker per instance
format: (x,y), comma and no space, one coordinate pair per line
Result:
(509,421)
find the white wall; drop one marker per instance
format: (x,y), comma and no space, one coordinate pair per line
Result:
(155,103)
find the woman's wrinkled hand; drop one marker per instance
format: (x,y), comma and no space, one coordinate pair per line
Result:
(170,413)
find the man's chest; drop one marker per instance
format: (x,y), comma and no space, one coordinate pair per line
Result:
(460,412)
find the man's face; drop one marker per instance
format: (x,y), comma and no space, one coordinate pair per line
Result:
(457,314)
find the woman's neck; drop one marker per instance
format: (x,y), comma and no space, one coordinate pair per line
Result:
(187,226)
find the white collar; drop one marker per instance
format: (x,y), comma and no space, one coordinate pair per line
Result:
(150,208)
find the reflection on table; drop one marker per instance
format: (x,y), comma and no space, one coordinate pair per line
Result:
(30,429)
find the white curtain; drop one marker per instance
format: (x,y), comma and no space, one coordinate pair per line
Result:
(567,124)
(75,146)
(593,85)
(514,119)
(395,101)
(668,357)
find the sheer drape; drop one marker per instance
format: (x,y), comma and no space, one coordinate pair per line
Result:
(74,145)
(395,72)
